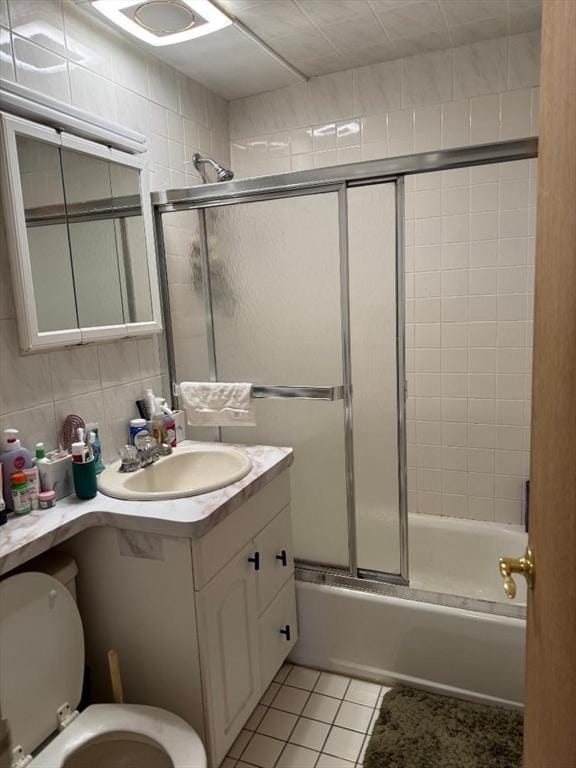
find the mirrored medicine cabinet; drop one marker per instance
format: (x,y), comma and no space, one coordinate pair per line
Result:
(80,234)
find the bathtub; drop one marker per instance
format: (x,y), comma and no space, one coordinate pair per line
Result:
(472,654)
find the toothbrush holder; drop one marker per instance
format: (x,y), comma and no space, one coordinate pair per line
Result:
(85,479)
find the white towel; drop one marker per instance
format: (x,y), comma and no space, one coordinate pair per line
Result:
(218,404)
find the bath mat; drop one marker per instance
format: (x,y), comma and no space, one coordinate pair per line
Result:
(416,729)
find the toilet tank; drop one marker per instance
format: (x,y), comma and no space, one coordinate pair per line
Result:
(55,564)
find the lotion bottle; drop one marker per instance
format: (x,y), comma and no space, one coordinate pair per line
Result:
(13,458)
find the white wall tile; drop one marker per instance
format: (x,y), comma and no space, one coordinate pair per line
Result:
(41,70)
(378,88)
(331,97)
(524,62)
(481,68)
(427,79)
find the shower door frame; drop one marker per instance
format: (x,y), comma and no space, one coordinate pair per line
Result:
(338,179)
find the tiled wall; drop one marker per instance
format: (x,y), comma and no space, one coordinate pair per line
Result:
(468,95)
(469,247)
(469,289)
(51,46)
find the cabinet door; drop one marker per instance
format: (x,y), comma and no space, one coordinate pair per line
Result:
(274,545)
(278,632)
(227,609)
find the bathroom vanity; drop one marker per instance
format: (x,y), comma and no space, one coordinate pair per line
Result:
(197,594)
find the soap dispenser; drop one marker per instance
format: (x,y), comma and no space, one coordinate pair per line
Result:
(13,458)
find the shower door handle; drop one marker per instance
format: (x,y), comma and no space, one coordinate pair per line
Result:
(523,565)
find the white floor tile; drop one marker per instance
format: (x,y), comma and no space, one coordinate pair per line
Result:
(343,743)
(301,677)
(329,761)
(262,751)
(255,718)
(297,757)
(363,750)
(361,692)
(283,673)
(269,694)
(309,733)
(228,762)
(332,685)
(354,716)
(237,748)
(277,724)
(320,707)
(290,699)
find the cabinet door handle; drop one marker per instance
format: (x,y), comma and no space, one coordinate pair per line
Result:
(286,632)
(255,560)
(283,557)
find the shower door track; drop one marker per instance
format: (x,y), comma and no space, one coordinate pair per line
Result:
(338,179)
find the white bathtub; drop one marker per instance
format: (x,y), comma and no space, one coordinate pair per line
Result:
(389,639)
(456,557)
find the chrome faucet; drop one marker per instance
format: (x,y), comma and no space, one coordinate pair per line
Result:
(134,458)
(152,451)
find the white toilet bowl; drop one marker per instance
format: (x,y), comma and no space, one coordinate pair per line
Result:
(124,736)
(41,674)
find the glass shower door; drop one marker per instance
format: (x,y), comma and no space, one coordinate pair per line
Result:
(275,284)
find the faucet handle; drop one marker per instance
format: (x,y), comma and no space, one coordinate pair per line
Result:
(130,460)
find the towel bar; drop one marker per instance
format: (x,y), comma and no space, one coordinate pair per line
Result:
(278,392)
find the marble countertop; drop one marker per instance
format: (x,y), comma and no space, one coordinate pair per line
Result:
(23,538)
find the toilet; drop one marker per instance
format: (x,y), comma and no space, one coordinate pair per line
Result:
(41,675)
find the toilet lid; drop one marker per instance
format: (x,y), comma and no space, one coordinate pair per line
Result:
(41,656)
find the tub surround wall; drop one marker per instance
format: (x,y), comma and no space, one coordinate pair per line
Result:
(469,254)
(56,48)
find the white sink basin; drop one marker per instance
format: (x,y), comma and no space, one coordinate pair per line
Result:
(189,471)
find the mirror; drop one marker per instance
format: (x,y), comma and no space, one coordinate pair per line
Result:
(43,195)
(131,243)
(82,242)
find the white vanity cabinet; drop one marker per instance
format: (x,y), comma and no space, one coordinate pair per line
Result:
(201,625)
(246,616)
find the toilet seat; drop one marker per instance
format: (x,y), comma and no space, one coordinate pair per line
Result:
(157,726)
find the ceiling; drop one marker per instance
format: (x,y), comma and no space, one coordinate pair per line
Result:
(322,36)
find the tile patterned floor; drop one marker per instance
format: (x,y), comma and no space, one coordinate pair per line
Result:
(308,719)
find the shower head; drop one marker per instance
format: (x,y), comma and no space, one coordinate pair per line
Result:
(222,174)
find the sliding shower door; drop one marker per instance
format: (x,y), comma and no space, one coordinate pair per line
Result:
(296,292)
(274,270)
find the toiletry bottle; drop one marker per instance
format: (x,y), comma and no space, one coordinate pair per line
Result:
(169,423)
(33,480)
(21,501)
(94,440)
(78,453)
(42,464)
(15,459)
(158,429)
(138,432)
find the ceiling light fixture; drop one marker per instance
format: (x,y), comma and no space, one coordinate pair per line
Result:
(164,22)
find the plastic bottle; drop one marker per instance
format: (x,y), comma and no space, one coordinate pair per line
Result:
(158,428)
(14,458)
(138,432)
(21,501)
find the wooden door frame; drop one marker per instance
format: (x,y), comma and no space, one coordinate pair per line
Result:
(550,715)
